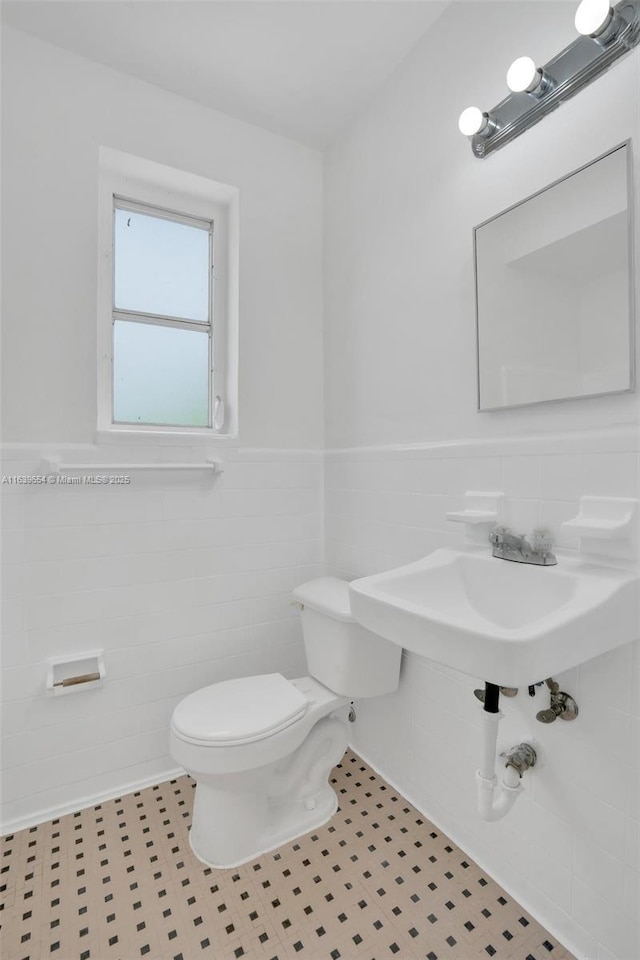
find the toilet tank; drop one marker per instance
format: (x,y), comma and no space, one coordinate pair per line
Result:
(341,654)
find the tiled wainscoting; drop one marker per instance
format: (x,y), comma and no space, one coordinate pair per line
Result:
(182,579)
(118,880)
(570,849)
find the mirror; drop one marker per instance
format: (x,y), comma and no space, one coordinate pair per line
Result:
(554,290)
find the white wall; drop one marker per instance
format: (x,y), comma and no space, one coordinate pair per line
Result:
(403,192)
(180,579)
(58,109)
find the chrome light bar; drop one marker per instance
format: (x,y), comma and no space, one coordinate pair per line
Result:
(606,33)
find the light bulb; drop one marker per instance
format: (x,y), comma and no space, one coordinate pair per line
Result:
(471,121)
(592,17)
(523,75)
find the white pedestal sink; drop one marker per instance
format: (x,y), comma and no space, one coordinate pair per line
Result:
(512,624)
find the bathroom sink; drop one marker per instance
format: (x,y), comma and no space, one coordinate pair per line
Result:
(512,624)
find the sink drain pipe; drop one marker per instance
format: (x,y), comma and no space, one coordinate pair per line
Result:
(495,800)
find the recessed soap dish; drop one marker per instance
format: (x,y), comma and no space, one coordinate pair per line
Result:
(472,516)
(480,507)
(604,518)
(482,510)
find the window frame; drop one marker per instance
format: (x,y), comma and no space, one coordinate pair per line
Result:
(165,320)
(187,197)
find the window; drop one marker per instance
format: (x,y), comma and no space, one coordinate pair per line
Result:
(167,338)
(162,323)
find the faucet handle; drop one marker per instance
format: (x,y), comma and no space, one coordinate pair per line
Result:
(542,540)
(498,534)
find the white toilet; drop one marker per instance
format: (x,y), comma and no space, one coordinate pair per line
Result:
(261,748)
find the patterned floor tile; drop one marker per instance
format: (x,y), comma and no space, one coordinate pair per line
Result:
(118,881)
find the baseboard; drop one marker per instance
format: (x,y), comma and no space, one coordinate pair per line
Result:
(53,813)
(561,936)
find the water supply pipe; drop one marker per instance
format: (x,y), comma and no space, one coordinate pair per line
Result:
(496,799)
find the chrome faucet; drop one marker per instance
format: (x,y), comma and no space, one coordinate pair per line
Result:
(512,546)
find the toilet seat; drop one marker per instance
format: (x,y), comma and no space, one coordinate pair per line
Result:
(235,712)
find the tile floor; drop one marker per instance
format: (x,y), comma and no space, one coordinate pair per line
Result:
(118,881)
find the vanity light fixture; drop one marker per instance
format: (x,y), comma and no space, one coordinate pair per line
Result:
(598,20)
(593,17)
(605,34)
(524,77)
(473,122)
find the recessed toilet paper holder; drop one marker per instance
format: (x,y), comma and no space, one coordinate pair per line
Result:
(73,674)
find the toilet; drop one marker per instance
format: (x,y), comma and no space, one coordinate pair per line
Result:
(261,748)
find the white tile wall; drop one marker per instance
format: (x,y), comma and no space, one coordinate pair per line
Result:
(181,579)
(569,849)
(184,582)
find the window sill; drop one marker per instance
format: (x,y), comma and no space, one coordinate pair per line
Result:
(165,437)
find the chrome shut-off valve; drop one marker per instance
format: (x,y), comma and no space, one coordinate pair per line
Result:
(562,705)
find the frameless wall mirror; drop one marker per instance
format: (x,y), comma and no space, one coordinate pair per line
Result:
(554,290)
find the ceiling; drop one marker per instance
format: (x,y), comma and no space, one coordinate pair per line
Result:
(301,68)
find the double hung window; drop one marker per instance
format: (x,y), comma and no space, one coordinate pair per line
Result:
(163,344)
(168,303)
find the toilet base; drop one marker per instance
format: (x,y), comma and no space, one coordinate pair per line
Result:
(284,827)
(237,817)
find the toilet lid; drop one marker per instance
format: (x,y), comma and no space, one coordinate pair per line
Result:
(239,711)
